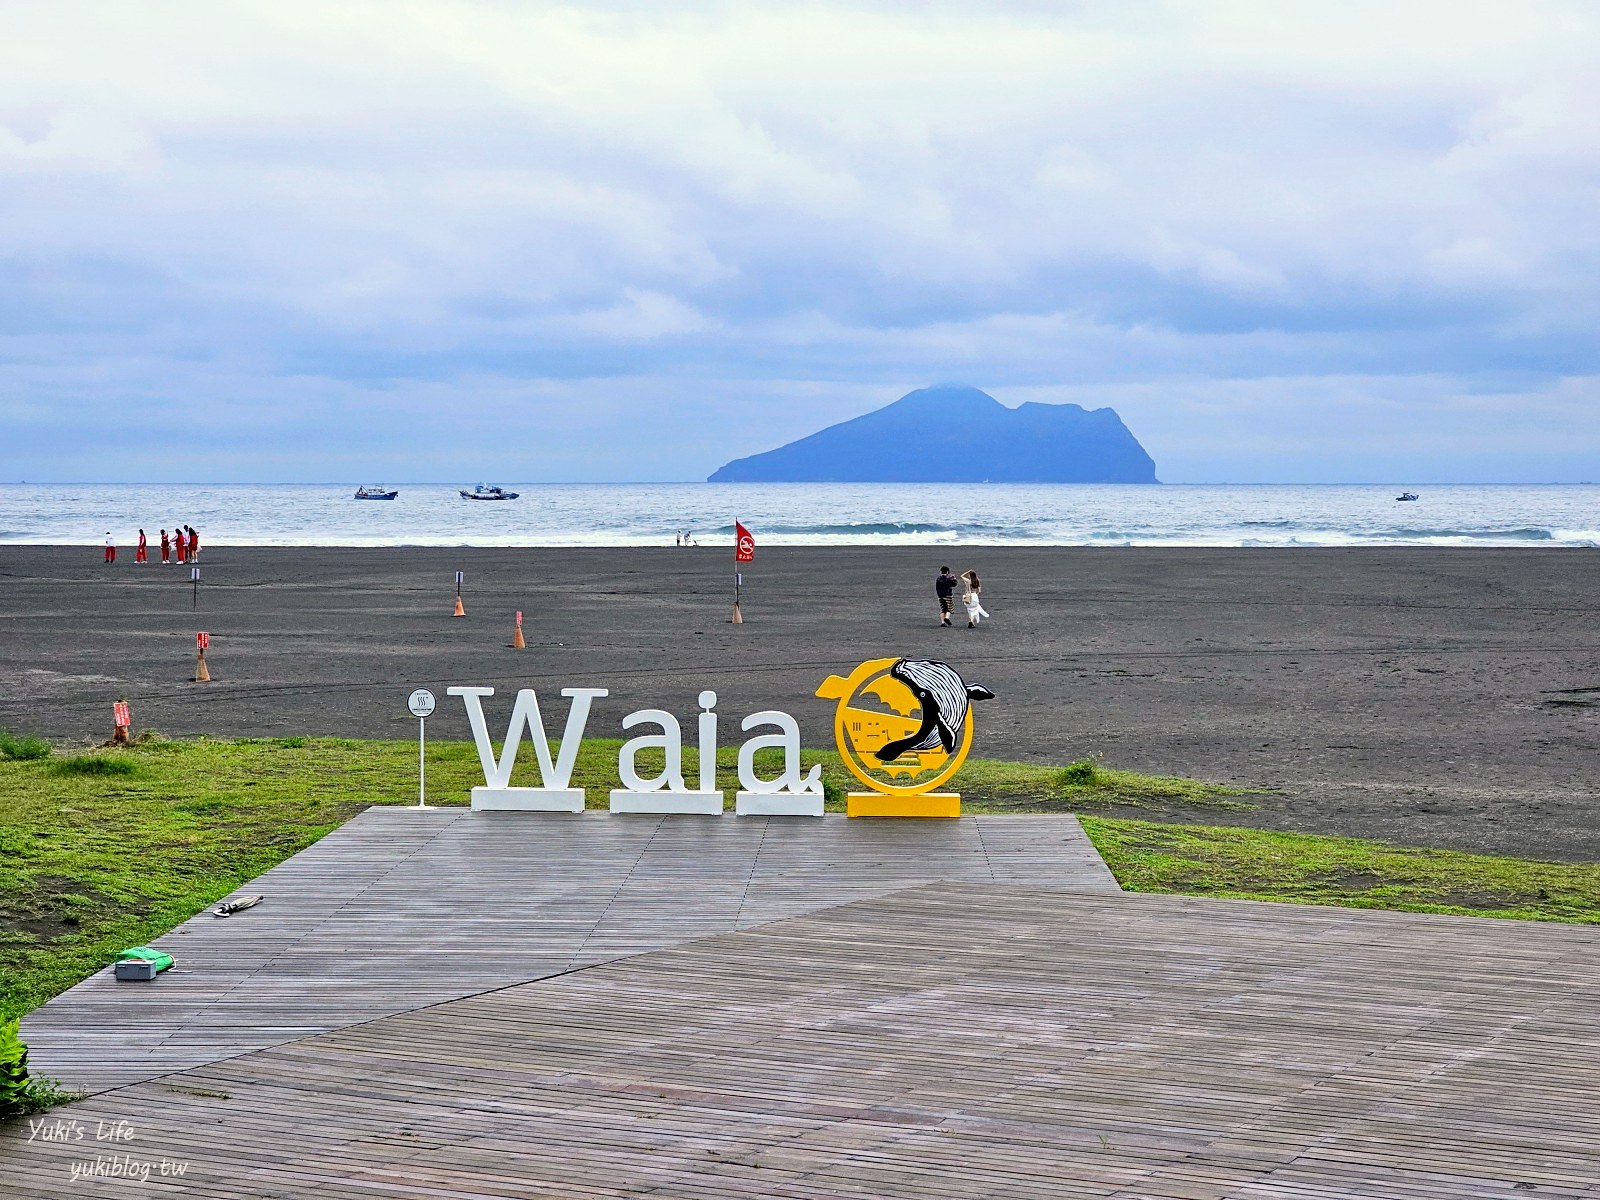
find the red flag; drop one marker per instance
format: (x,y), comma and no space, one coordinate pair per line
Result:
(744,546)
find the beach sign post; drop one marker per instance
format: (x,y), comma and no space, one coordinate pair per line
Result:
(461,578)
(194,582)
(421,704)
(744,550)
(202,643)
(518,642)
(122,721)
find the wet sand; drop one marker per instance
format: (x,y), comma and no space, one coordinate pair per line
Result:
(1432,697)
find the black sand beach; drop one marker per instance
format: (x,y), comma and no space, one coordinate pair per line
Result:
(1443,698)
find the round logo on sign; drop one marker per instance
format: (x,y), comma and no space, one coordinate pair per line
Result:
(747,545)
(903,726)
(420,703)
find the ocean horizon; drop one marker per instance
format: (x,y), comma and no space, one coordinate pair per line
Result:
(653,514)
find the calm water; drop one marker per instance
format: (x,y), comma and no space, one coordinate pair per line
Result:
(816,514)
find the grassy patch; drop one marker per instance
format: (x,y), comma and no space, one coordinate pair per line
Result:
(988,785)
(94,764)
(1254,864)
(21,748)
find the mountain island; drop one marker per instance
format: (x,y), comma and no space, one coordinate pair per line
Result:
(957,435)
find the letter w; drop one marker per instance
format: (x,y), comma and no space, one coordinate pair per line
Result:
(525,715)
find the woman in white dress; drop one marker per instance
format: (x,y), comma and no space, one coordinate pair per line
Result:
(972,598)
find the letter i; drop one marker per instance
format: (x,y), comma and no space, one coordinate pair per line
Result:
(708,742)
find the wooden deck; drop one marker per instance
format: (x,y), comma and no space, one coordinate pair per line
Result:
(955,1040)
(403,908)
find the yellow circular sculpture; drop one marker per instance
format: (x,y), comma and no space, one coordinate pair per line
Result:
(903,726)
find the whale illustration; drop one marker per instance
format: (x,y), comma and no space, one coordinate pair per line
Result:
(944,697)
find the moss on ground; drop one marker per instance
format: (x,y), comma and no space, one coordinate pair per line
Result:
(1255,864)
(93,860)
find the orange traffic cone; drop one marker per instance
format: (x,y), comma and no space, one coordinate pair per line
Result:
(738,617)
(516,638)
(201,675)
(460,610)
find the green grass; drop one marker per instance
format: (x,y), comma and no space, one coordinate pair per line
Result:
(96,858)
(21,748)
(94,764)
(988,785)
(1255,864)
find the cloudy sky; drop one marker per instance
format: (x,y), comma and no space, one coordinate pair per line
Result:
(447,241)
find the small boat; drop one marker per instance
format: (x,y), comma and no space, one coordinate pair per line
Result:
(377,493)
(1407,496)
(483,492)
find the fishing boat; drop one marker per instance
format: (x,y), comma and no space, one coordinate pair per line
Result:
(484,492)
(377,493)
(1407,496)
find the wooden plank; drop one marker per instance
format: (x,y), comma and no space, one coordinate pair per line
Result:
(403,908)
(951,1040)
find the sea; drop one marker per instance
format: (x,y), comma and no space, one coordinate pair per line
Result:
(809,514)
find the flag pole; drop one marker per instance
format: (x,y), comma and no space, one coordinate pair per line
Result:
(738,578)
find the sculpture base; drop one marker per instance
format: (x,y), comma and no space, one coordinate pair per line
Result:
(707,804)
(522,799)
(777,804)
(929,804)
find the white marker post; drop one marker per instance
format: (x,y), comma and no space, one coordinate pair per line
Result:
(194,580)
(420,702)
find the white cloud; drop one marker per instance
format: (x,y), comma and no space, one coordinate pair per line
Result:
(866,196)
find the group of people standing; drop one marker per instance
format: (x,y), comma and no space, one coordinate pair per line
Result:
(181,545)
(971,599)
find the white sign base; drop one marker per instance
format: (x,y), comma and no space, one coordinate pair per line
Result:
(703,803)
(777,804)
(526,799)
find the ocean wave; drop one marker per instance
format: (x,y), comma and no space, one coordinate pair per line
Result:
(1523,534)
(881,528)
(802,515)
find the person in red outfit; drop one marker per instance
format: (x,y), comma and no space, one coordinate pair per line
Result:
(166,549)
(142,554)
(194,543)
(111,547)
(177,542)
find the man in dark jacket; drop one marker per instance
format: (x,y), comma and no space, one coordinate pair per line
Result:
(945,587)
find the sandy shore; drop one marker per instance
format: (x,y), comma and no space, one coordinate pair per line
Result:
(1433,697)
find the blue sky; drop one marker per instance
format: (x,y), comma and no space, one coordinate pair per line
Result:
(449,241)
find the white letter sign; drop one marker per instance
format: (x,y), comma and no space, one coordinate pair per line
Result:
(667,793)
(788,794)
(555,795)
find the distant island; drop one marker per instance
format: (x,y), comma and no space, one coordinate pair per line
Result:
(957,435)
